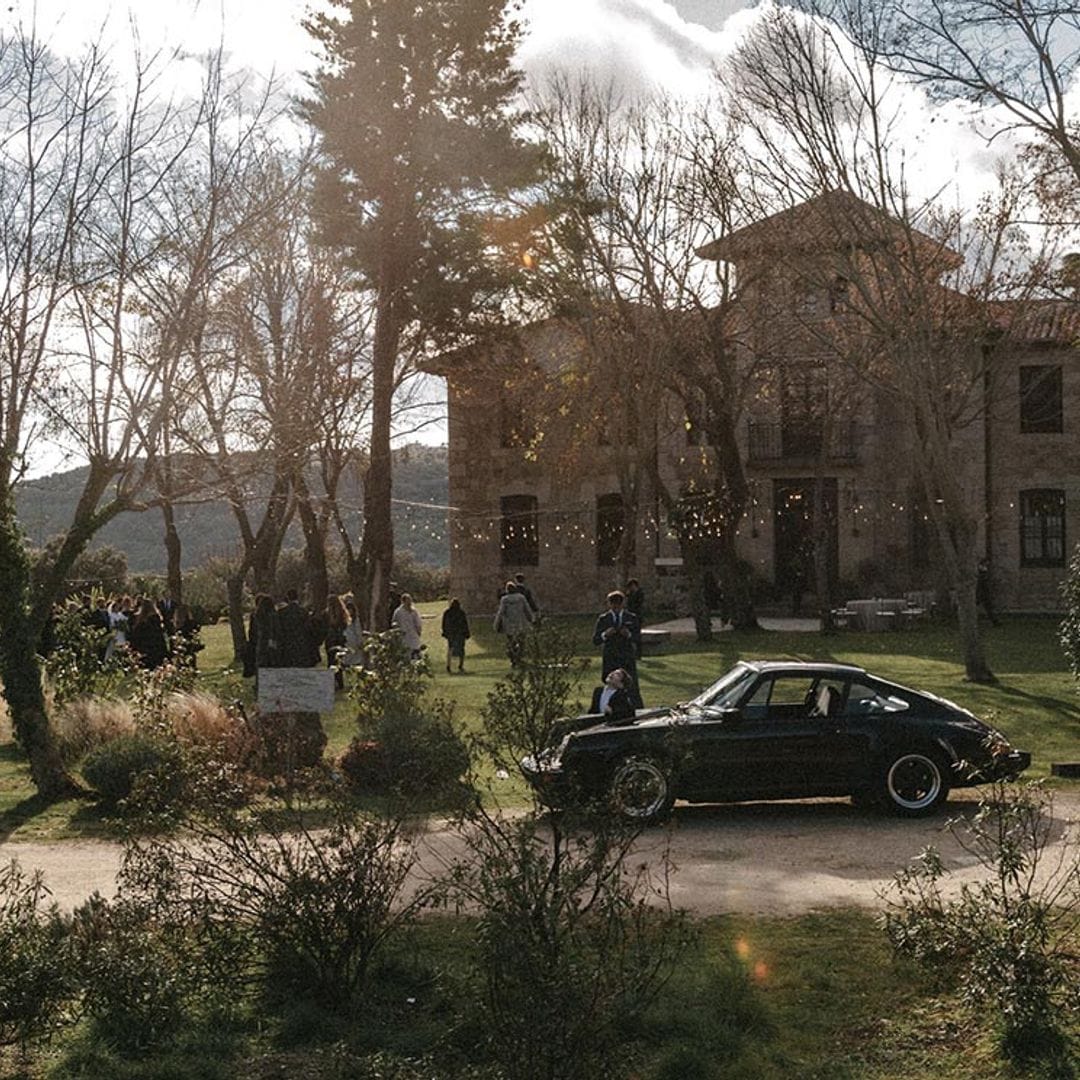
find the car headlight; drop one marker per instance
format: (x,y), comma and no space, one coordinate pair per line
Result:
(552,757)
(996,743)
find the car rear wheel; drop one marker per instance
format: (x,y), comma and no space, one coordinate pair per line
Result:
(914,784)
(641,790)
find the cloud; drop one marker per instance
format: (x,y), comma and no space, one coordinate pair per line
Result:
(635,45)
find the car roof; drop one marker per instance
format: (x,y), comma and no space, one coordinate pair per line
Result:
(808,666)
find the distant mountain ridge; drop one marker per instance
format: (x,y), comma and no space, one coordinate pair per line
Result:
(45,504)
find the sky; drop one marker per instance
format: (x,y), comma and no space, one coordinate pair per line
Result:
(636,45)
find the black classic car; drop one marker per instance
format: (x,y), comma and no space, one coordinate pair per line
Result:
(777,730)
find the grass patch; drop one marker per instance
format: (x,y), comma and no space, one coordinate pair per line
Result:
(1035,701)
(813,998)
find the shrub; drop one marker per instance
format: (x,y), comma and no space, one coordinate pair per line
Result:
(319,905)
(84,724)
(571,949)
(1006,939)
(201,722)
(76,666)
(406,745)
(522,707)
(143,974)
(36,983)
(413,756)
(140,762)
(1070,625)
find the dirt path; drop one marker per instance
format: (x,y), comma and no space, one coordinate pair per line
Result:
(768,859)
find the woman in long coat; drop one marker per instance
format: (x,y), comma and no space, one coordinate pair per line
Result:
(406,620)
(147,636)
(513,619)
(455,628)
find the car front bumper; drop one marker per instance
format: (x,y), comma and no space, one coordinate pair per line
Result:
(1006,766)
(548,780)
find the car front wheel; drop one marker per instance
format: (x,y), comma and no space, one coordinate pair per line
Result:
(914,784)
(641,790)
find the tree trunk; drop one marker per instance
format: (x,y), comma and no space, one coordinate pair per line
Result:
(377,546)
(20,666)
(736,583)
(318,577)
(234,590)
(174,579)
(696,562)
(976,666)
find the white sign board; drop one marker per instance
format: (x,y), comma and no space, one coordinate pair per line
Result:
(287,689)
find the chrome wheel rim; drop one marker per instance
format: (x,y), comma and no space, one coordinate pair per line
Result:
(639,789)
(914,782)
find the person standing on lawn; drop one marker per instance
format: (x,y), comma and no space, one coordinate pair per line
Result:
(455,628)
(618,633)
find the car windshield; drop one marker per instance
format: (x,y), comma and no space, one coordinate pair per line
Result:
(727,691)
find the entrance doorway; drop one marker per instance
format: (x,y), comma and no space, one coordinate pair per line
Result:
(793,549)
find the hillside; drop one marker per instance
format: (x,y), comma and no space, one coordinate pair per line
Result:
(45,505)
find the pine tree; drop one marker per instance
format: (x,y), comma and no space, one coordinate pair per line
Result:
(414,104)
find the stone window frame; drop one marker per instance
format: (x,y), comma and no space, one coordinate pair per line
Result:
(1037,384)
(519,530)
(1042,527)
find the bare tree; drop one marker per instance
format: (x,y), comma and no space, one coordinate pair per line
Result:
(81,163)
(1018,58)
(636,189)
(916,323)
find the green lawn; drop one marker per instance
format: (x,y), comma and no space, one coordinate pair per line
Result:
(819,997)
(807,998)
(1035,701)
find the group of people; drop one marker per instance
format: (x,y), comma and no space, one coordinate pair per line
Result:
(154,631)
(287,635)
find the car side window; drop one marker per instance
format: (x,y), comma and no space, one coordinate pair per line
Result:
(782,697)
(864,700)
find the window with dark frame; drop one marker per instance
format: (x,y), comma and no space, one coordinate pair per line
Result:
(1042,527)
(610,523)
(520,533)
(1041,411)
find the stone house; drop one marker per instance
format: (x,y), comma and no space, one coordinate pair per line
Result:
(543,491)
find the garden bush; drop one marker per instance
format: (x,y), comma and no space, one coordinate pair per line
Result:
(150,764)
(1009,939)
(145,975)
(37,985)
(75,666)
(86,723)
(571,948)
(406,745)
(317,905)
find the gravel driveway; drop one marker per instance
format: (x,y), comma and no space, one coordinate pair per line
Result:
(753,858)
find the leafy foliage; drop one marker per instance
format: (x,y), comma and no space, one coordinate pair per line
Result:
(1007,939)
(37,987)
(144,975)
(1070,625)
(317,905)
(151,765)
(522,706)
(407,745)
(570,948)
(77,665)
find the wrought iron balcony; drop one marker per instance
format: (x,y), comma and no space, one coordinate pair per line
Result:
(802,440)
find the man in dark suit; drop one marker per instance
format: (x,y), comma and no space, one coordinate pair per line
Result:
(618,633)
(612,700)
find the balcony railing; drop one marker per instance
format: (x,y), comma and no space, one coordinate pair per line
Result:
(802,440)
